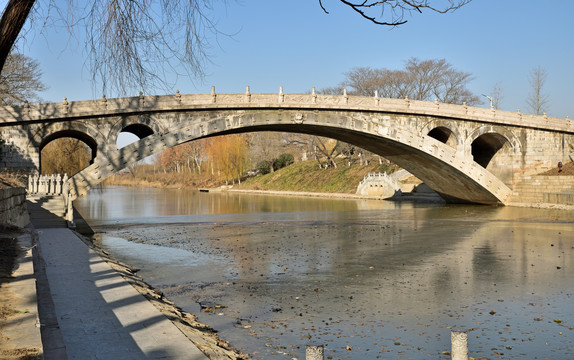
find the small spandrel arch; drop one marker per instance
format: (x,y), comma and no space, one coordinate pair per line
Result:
(133,133)
(486,146)
(444,135)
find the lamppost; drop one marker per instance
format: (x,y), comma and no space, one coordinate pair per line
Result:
(489,98)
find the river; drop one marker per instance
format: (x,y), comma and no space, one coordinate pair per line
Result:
(368,279)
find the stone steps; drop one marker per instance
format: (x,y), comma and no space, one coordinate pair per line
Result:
(47,211)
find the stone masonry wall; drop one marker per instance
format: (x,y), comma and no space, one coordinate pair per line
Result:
(531,144)
(14,150)
(13,207)
(536,189)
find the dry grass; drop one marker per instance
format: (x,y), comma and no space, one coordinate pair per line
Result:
(12,179)
(21,354)
(567,170)
(307,176)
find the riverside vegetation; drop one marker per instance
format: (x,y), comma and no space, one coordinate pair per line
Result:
(304,176)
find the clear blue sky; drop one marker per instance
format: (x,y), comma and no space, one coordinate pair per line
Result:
(295,45)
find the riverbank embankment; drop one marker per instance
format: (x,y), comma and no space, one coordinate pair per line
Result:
(80,286)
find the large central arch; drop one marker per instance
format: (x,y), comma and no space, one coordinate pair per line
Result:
(439,165)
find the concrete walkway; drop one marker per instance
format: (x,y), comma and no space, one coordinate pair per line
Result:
(93,313)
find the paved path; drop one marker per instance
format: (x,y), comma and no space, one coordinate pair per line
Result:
(99,315)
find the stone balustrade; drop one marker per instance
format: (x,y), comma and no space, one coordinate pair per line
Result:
(378,184)
(53,184)
(104,107)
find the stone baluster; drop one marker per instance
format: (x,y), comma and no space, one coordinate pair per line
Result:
(65,105)
(52,186)
(58,184)
(30,184)
(65,185)
(42,185)
(35,183)
(247,94)
(70,211)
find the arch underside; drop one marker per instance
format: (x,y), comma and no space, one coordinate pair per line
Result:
(435,163)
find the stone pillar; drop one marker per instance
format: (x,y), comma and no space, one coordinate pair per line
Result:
(35,183)
(58,184)
(65,185)
(459,342)
(42,184)
(70,211)
(314,352)
(52,185)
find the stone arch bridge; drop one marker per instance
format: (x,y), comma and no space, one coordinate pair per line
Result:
(466,154)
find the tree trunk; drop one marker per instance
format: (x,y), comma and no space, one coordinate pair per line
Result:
(11,24)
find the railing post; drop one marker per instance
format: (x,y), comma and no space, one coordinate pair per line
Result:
(459,344)
(70,210)
(52,190)
(30,184)
(213,95)
(58,185)
(314,352)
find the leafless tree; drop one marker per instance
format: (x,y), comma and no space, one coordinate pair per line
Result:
(537,100)
(393,12)
(20,81)
(65,155)
(131,44)
(335,90)
(497,96)
(419,80)
(265,146)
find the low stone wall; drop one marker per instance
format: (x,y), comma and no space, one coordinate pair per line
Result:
(559,198)
(378,185)
(13,207)
(532,189)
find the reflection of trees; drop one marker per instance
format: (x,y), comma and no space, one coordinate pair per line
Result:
(488,265)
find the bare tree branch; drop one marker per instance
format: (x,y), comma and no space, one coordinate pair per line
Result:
(20,80)
(537,100)
(132,45)
(396,10)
